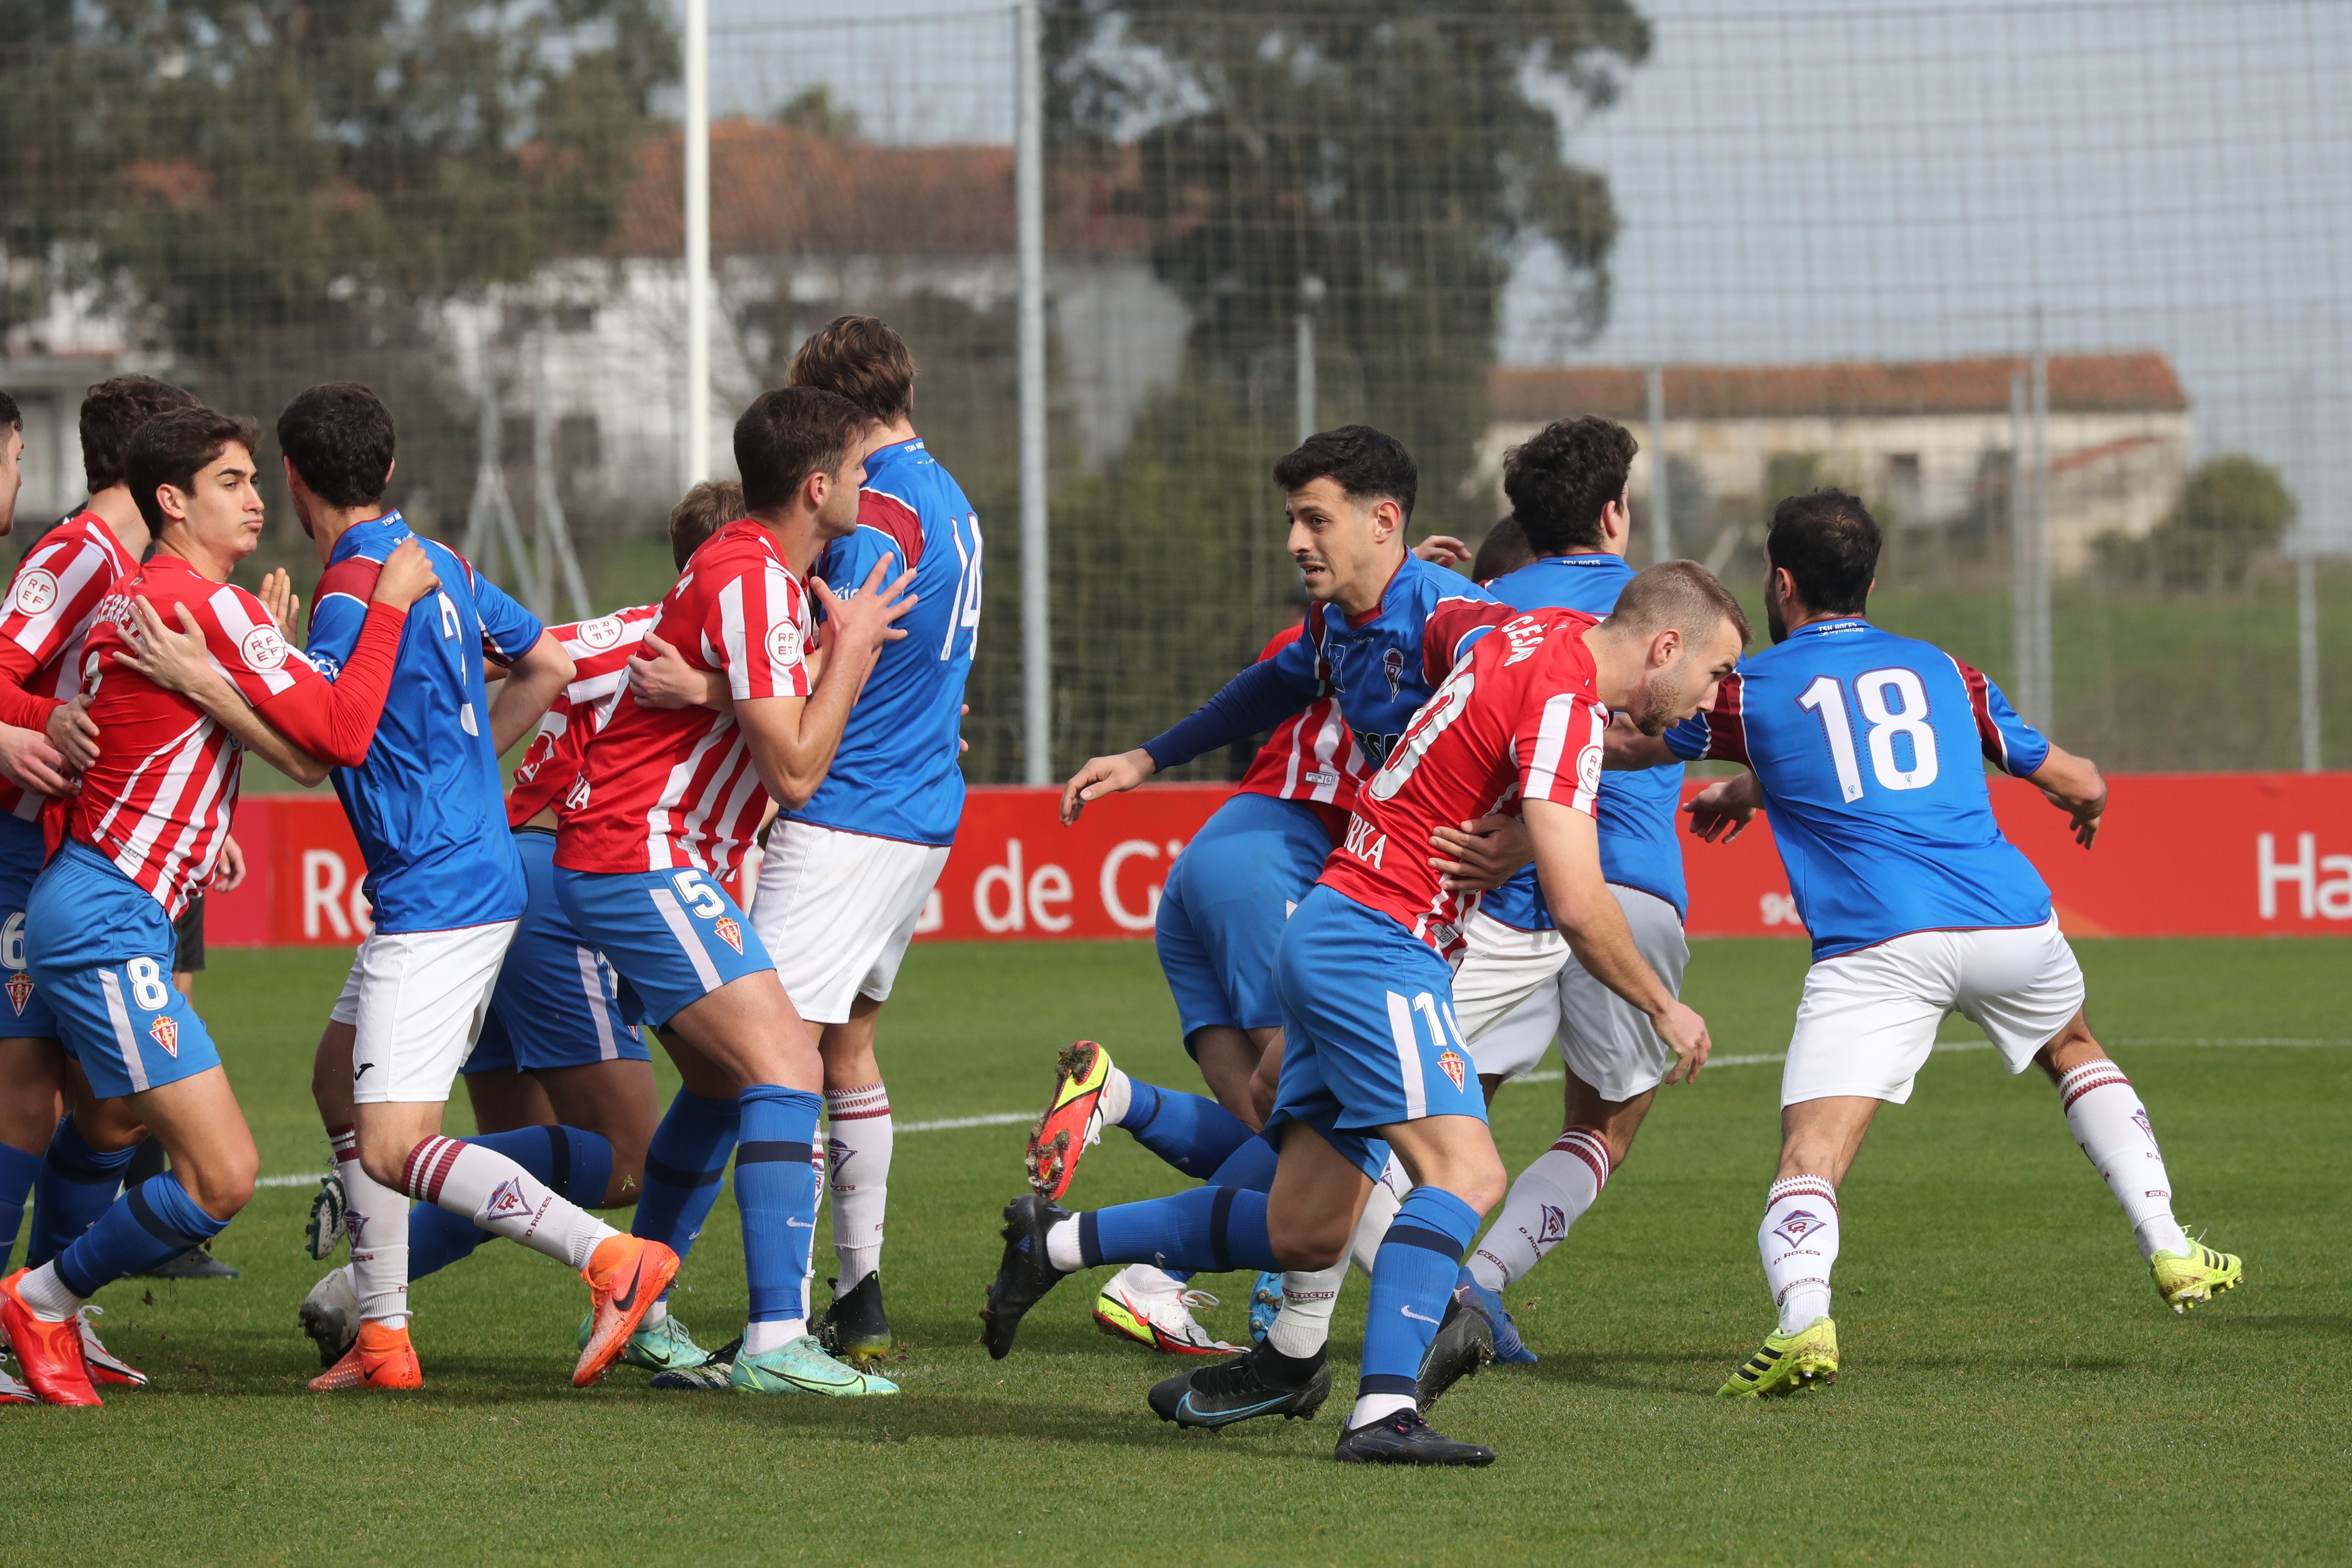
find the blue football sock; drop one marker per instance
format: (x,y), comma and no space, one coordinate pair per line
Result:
(17,1171)
(684,1165)
(1191,1131)
(1413,1274)
(152,1223)
(775,1186)
(1251,1166)
(575,1163)
(75,1186)
(1209,1230)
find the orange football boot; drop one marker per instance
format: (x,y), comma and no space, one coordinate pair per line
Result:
(1070,1125)
(625,1275)
(49,1352)
(381,1358)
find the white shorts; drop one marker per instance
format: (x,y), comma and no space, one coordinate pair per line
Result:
(1869,1018)
(418,999)
(835,912)
(1516,991)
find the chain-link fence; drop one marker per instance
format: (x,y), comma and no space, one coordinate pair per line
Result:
(2058,288)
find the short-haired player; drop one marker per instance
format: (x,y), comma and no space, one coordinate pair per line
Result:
(1863,747)
(1372,1058)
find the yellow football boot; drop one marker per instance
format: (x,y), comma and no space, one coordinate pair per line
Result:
(2194,1277)
(1789,1364)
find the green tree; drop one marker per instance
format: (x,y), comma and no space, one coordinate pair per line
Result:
(2233,510)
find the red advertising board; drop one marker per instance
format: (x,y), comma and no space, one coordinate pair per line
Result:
(2179,855)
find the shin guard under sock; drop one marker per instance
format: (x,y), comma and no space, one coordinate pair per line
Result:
(1208,1231)
(576,1165)
(75,1186)
(1412,1277)
(152,1223)
(775,1188)
(1191,1131)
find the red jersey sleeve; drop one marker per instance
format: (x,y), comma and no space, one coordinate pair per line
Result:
(1727,732)
(334,720)
(1558,742)
(55,593)
(757,631)
(1452,626)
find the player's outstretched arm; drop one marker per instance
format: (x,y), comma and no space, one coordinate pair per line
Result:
(532,682)
(1726,807)
(1102,776)
(793,739)
(1568,863)
(176,660)
(2075,786)
(31,763)
(1249,704)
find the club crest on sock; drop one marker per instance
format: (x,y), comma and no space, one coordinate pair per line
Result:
(1555,1223)
(20,991)
(1797,1224)
(165,1032)
(506,1198)
(1450,1062)
(728,932)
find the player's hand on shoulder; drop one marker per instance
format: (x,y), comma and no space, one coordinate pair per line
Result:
(1724,808)
(31,763)
(1102,776)
(406,577)
(73,734)
(1685,1033)
(660,677)
(173,658)
(864,620)
(1481,855)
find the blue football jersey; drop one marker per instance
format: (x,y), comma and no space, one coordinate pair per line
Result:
(897,773)
(1636,814)
(427,805)
(1379,668)
(1867,746)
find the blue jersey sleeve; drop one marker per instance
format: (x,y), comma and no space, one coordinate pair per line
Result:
(1252,703)
(509,631)
(339,611)
(2010,744)
(848,561)
(1690,739)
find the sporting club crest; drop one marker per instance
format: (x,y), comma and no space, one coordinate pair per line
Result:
(1796,1226)
(1555,1224)
(839,1153)
(728,932)
(506,1198)
(20,991)
(165,1032)
(37,590)
(600,634)
(784,643)
(1392,662)
(1450,1062)
(263,648)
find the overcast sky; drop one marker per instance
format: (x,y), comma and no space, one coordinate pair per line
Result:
(1899,179)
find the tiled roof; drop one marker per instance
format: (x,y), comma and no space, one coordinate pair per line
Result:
(2079,383)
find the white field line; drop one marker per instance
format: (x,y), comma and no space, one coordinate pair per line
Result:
(1013,1118)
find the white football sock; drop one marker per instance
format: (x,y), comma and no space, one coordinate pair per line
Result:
(1118,1092)
(808,1275)
(1062,1250)
(502,1198)
(1374,1407)
(1388,1196)
(761,1338)
(46,1294)
(1544,1204)
(1798,1240)
(858,1143)
(2111,1126)
(377,1219)
(1304,1323)
(656,1315)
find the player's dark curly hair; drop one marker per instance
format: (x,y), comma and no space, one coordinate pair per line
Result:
(862,359)
(111,413)
(789,433)
(1563,477)
(1827,541)
(172,448)
(1369,465)
(339,436)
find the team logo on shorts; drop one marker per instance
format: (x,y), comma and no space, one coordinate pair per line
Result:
(601,634)
(1392,663)
(506,1198)
(37,590)
(784,643)
(1796,1226)
(165,1032)
(263,648)
(1450,1062)
(728,932)
(1555,1224)
(20,991)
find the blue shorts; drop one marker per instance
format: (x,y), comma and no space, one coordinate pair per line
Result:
(554,1003)
(100,948)
(1369,1035)
(1222,909)
(26,1015)
(674,937)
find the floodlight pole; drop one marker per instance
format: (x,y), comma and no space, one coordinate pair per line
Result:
(2306,573)
(2021,554)
(1662,526)
(1029,223)
(694,460)
(2044,694)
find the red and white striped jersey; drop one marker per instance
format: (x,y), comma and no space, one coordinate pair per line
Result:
(601,650)
(666,788)
(158,800)
(1311,757)
(50,607)
(1517,720)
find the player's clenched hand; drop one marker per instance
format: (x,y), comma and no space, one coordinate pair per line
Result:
(665,679)
(1442,549)
(31,763)
(862,622)
(277,596)
(75,734)
(175,660)
(228,871)
(1725,807)
(1685,1033)
(1482,855)
(1102,776)
(407,576)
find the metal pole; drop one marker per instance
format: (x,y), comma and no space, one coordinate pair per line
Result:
(694,460)
(1029,212)
(1662,527)
(2306,573)
(2044,676)
(2021,554)
(1306,400)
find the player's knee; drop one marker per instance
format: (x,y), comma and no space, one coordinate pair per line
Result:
(383,1163)
(1306,1242)
(221,1186)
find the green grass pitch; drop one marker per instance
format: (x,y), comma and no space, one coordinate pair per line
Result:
(2012,1390)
